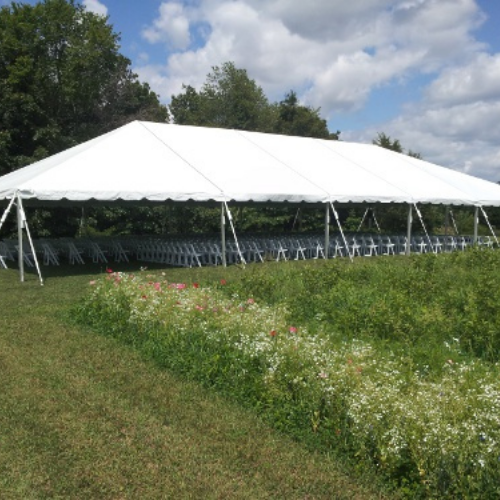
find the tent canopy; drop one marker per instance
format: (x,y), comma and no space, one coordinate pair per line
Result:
(155,162)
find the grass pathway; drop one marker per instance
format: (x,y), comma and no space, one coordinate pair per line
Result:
(82,416)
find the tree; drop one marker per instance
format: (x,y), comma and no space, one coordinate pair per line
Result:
(62,81)
(230,99)
(384,141)
(294,119)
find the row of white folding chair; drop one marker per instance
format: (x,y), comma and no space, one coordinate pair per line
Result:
(173,253)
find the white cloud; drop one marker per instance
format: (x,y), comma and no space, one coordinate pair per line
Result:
(172,26)
(333,51)
(463,136)
(479,80)
(96,7)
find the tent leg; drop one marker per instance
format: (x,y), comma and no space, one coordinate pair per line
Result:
(230,218)
(489,225)
(363,220)
(336,215)
(223,235)
(408,231)
(476,223)
(32,246)
(20,251)
(375,220)
(446,220)
(327,231)
(424,228)
(6,212)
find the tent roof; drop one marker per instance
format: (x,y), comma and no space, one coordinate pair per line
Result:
(160,162)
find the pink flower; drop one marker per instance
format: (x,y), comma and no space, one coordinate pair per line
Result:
(109,270)
(157,287)
(199,308)
(180,286)
(250,301)
(293,329)
(93,282)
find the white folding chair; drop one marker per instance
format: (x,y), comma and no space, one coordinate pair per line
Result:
(50,254)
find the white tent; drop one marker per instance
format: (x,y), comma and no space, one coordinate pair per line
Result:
(159,162)
(164,162)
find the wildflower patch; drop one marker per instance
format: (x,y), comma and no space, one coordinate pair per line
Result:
(429,436)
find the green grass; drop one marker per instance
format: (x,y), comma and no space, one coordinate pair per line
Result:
(85,416)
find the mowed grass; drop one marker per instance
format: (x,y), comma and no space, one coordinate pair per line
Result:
(84,416)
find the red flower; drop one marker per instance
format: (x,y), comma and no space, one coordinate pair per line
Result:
(223,282)
(109,270)
(144,297)
(196,285)
(273,333)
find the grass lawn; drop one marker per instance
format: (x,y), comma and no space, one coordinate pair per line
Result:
(84,416)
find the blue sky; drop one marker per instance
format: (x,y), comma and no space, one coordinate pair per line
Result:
(426,72)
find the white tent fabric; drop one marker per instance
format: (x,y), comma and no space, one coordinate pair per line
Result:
(161,162)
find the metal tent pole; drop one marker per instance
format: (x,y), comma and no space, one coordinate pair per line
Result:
(376,221)
(336,215)
(230,217)
(327,231)
(20,251)
(6,212)
(408,231)
(223,234)
(424,228)
(454,222)
(476,223)
(489,225)
(362,220)
(30,240)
